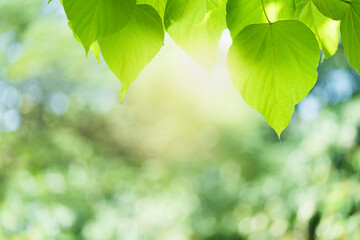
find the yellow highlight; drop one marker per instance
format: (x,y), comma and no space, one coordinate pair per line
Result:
(273,10)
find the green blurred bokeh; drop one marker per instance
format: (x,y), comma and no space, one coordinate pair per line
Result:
(182,158)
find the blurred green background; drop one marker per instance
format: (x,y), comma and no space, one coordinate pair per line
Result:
(182,158)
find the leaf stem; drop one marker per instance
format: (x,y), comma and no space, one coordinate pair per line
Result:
(263,6)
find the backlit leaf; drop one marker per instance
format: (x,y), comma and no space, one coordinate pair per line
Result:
(92,19)
(128,51)
(274,66)
(325,29)
(196,26)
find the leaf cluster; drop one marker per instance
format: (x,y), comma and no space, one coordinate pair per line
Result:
(276,43)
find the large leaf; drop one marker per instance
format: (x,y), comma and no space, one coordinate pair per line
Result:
(274,66)
(128,51)
(92,19)
(241,13)
(196,26)
(159,5)
(334,9)
(325,29)
(350,34)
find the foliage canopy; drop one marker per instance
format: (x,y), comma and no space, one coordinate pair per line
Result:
(276,43)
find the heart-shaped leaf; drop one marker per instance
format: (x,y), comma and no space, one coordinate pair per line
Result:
(128,51)
(274,66)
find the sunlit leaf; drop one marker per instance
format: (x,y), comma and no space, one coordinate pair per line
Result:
(241,13)
(92,19)
(274,67)
(196,26)
(128,51)
(325,29)
(350,34)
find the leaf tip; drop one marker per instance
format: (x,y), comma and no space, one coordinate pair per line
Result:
(123,91)
(279,130)
(279,135)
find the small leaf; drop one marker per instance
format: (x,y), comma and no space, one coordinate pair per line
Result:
(350,34)
(95,49)
(325,29)
(241,13)
(92,19)
(334,9)
(128,51)
(274,66)
(196,26)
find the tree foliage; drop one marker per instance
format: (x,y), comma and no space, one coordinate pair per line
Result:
(276,43)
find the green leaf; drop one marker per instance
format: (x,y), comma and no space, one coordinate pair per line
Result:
(196,26)
(128,51)
(159,5)
(241,13)
(274,66)
(325,29)
(334,9)
(350,34)
(95,49)
(92,19)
